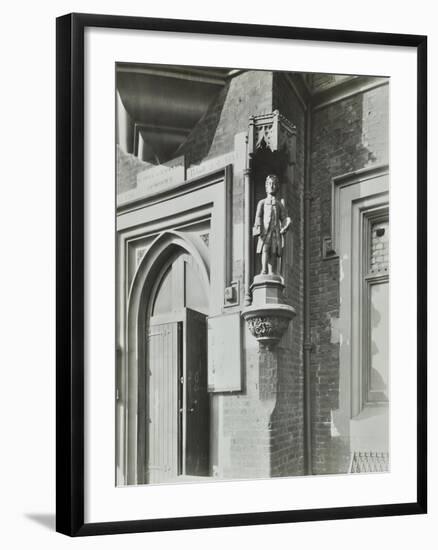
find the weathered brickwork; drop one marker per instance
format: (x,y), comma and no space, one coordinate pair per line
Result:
(346,136)
(287,457)
(262,426)
(271,409)
(245,446)
(287,440)
(128,166)
(262,434)
(247,94)
(320,82)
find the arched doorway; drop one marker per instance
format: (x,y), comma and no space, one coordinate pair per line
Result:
(177,403)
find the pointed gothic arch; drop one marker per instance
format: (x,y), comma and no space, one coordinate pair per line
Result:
(167,245)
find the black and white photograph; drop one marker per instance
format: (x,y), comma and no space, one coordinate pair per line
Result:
(218,275)
(252,274)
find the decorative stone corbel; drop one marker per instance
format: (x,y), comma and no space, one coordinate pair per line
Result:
(268,317)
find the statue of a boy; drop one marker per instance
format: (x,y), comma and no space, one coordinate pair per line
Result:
(271,223)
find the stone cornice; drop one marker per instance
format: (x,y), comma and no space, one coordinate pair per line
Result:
(334,93)
(346,89)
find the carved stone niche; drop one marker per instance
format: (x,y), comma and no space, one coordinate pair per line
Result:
(271,149)
(275,133)
(268,317)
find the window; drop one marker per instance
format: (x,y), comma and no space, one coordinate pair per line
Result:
(375,358)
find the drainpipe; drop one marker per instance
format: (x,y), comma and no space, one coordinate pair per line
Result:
(248,204)
(307,343)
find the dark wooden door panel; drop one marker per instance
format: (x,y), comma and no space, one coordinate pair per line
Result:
(197,399)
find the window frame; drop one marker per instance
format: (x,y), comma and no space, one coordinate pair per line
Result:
(370,217)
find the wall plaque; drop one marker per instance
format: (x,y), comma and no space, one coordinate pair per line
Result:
(224,353)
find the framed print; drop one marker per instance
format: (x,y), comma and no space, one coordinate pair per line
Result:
(241,274)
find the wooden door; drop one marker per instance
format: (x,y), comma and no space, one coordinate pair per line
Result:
(178,417)
(197,407)
(162,382)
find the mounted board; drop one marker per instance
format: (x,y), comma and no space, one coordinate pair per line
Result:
(224,353)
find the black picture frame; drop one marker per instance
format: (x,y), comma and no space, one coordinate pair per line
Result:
(70,273)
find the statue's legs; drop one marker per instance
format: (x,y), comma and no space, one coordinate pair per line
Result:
(269,262)
(265,258)
(272,264)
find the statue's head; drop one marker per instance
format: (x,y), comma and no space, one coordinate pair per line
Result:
(272,184)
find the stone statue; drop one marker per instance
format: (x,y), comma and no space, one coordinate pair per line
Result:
(271,223)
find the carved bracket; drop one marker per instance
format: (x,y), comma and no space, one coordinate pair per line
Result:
(268,323)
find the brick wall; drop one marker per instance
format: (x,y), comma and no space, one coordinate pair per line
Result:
(262,429)
(244,446)
(271,410)
(128,166)
(247,94)
(320,82)
(346,136)
(287,440)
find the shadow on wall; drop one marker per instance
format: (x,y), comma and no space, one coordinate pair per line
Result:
(286,440)
(46,520)
(198,143)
